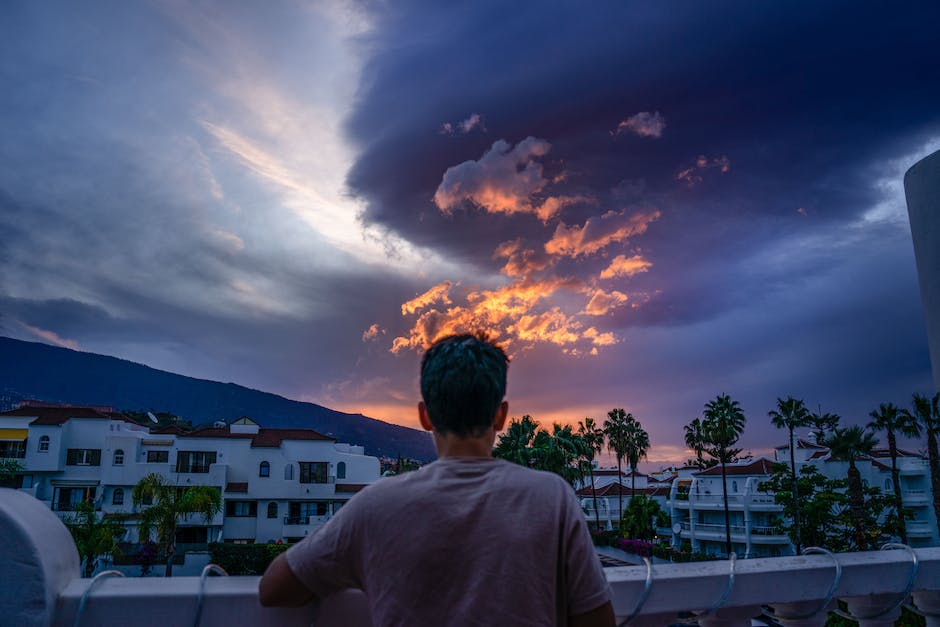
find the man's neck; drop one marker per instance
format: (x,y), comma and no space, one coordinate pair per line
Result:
(453,446)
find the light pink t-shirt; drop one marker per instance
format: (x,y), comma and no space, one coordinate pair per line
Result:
(467,541)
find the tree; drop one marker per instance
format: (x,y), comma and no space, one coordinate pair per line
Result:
(638,520)
(825,512)
(723,424)
(593,438)
(515,445)
(615,428)
(9,469)
(695,440)
(93,536)
(891,420)
(169,504)
(925,411)
(559,452)
(790,414)
(823,425)
(848,444)
(638,444)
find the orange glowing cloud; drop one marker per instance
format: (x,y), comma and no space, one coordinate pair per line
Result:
(372,333)
(603,302)
(507,179)
(598,233)
(626,266)
(521,261)
(692,175)
(438,293)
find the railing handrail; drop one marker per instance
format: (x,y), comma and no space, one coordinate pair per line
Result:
(675,588)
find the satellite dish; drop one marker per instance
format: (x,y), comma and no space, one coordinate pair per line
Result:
(153,418)
(677,528)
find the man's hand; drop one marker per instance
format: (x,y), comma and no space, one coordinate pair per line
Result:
(280,587)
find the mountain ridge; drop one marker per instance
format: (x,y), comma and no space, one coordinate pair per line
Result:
(56,374)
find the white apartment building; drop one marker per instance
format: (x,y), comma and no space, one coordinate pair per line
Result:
(609,483)
(696,506)
(276,484)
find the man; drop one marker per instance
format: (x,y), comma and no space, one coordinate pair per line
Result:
(466,540)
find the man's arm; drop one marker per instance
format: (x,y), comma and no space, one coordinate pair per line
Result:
(600,617)
(280,587)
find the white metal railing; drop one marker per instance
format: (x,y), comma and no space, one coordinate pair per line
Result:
(869,582)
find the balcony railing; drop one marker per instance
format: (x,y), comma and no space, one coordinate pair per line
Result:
(785,586)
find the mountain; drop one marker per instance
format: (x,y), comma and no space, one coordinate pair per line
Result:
(29,370)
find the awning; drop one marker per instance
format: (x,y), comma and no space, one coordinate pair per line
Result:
(157,442)
(14,434)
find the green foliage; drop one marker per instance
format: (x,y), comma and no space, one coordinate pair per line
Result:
(515,445)
(638,518)
(559,451)
(244,559)
(826,513)
(9,469)
(169,504)
(164,418)
(94,536)
(723,425)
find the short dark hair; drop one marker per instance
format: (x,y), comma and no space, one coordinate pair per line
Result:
(463,381)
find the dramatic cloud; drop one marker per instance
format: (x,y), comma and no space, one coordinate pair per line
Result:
(372,333)
(598,233)
(621,265)
(475,121)
(506,180)
(438,293)
(644,124)
(520,260)
(603,302)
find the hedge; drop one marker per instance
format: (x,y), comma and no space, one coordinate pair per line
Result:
(244,559)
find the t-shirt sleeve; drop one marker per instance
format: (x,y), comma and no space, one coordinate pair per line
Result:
(585,581)
(328,559)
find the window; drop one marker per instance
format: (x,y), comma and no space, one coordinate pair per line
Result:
(241,508)
(158,457)
(341,470)
(13,449)
(300,512)
(264,470)
(118,497)
(313,472)
(119,457)
(44,444)
(83,457)
(194,461)
(734,487)
(66,499)
(272,510)
(289,471)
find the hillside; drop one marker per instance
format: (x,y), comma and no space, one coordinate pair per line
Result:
(50,373)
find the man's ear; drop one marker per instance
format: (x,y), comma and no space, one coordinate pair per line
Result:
(423,417)
(500,420)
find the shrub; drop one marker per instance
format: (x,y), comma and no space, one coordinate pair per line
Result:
(244,559)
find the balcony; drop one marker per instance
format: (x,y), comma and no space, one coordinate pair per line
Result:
(52,593)
(914,498)
(914,467)
(919,529)
(299,526)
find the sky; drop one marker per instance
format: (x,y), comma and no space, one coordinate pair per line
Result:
(647,204)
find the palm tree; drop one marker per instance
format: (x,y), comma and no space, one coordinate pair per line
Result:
(559,452)
(790,414)
(93,536)
(695,440)
(615,428)
(848,444)
(823,425)
(926,412)
(891,420)
(169,503)
(593,437)
(638,444)
(639,519)
(723,424)
(515,445)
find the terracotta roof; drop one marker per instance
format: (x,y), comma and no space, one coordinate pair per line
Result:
(760,466)
(883,453)
(611,489)
(170,430)
(612,472)
(800,443)
(60,414)
(237,486)
(265,438)
(819,454)
(347,488)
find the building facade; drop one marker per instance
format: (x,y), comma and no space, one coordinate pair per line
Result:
(276,484)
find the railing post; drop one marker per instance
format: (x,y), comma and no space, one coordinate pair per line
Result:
(800,609)
(874,604)
(928,602)
(730,617)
